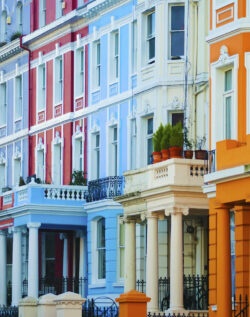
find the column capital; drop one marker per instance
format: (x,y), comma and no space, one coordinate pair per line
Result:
(34,225)
(173,210)
(17,229)
(127,219)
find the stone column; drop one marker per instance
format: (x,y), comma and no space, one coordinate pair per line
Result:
(69,305)
(152,269)
(33,271)
(17,266)
(130,257)
(3,271)
(176,260)
(224,285)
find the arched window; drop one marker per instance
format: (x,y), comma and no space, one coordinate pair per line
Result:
(19,17)
(3,26)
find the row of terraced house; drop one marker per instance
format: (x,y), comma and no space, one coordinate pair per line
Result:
(83,87)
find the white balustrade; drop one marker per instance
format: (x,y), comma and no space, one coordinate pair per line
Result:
(7,199)
(73,193)
(22,194)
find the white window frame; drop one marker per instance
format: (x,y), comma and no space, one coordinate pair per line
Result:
(3,169)
(113,144)
(41,87)
(170,30)
(218,69)
(227,94)
(17,156)
(40,148)
(96,65)
(58,81)
(95,170)
(59,9)
(19,16)
(114,56)
(79,72)
(148,136)
(58,141)
(94,253)
(150,37)
(18,98)
(42,13)
(78,138)
(80,3)
(119,247)
(134,47)
(3,105)
(4,26)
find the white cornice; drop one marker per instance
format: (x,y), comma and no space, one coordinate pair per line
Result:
(227,174)
(101,205)
(14,137)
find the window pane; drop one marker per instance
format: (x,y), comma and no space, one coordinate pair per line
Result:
(115,134)
(228,117)
(122,235)
(177,43)
(50,245)
(116,43)
(151,24)
(97,140)
(177,18)
(228,80)
(151,50)
(150,126)
(101,233)
(98,53)
(101,264)
(122,260)
(150,150)
(177,117)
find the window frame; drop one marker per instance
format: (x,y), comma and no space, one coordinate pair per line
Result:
(120,278)
(133,145)
(78,158)
(172,31)
(42,88)
(4,26)
(150,37)
(3,175)
(3,104)
(42,13)
(134,47)
(96,153)
(59,9)
(114,55)
(18,98)
(149,136)
(227,94)
(79,72)
(58,80)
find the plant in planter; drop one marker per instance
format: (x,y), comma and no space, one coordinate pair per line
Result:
(200,153)
(15,36)
(188,144)
(157,137)
(78,178)
(165,141)
(176,141)
(21,181)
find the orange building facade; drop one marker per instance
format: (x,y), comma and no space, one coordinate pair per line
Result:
(228,183)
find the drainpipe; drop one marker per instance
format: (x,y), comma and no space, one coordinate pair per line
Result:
(29,102)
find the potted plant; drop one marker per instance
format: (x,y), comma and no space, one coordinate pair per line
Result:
(157,137)
(165,141)
(78,178)
(176,141)
(201,154)
(188,152)
(15,36)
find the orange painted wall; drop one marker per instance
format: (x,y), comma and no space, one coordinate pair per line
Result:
(242,8)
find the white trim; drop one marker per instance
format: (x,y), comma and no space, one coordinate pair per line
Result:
(14,137)
(223,11)
(56,59)
(15,97)
(222,175)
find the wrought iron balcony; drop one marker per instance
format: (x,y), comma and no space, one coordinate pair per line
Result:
(195,292)
(105,188)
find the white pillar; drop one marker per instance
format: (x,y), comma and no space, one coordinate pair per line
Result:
(17,266)
(176,261)
(3,272)
(65,257)
(152,275)
(33,271)
(130,257)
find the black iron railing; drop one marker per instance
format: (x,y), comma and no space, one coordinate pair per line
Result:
(9,293)
(93,309)
(240,307)
(11,311)
(195,290)
(104,188)
(203,314)
(211,161)
(58,285)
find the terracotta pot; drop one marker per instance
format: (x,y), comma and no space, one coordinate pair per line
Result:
(175,152)
(156,157)
(164,155)
(201,154)
(188,154)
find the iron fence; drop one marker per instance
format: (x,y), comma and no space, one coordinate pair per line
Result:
(104,188)
(203,314)
(11,311)
(96,308)
(195,289)
(58,285)
(240,307)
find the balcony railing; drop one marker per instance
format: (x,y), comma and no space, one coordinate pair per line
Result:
(240,307)
(195,292)
(58,285)
(104,188)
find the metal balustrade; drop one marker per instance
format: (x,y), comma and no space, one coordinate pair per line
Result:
(195,290)
(11,311)
(240,306)
(105,188)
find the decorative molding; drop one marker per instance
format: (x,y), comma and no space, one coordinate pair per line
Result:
(176,104)
(147,110)
(57,139)
(95,128)
(40,145)
(17,155)
(224,55)
(113,121)
(2,158)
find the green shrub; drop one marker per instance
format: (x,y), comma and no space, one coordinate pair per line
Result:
(21,181)
(78,178)
(176,138)
(165,141)
(157,137)
(15,36)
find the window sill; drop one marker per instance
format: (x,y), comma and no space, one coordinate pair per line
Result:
(3,126)
(114,82)
(118,284)
(174,61)
(98,285)
(98,89)
(79,96)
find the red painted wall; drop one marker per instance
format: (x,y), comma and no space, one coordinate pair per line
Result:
(50,11)
(67,153)
(49,97)
(68,94)
(32,155)
(33,97)
(70,6)
(49,135)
